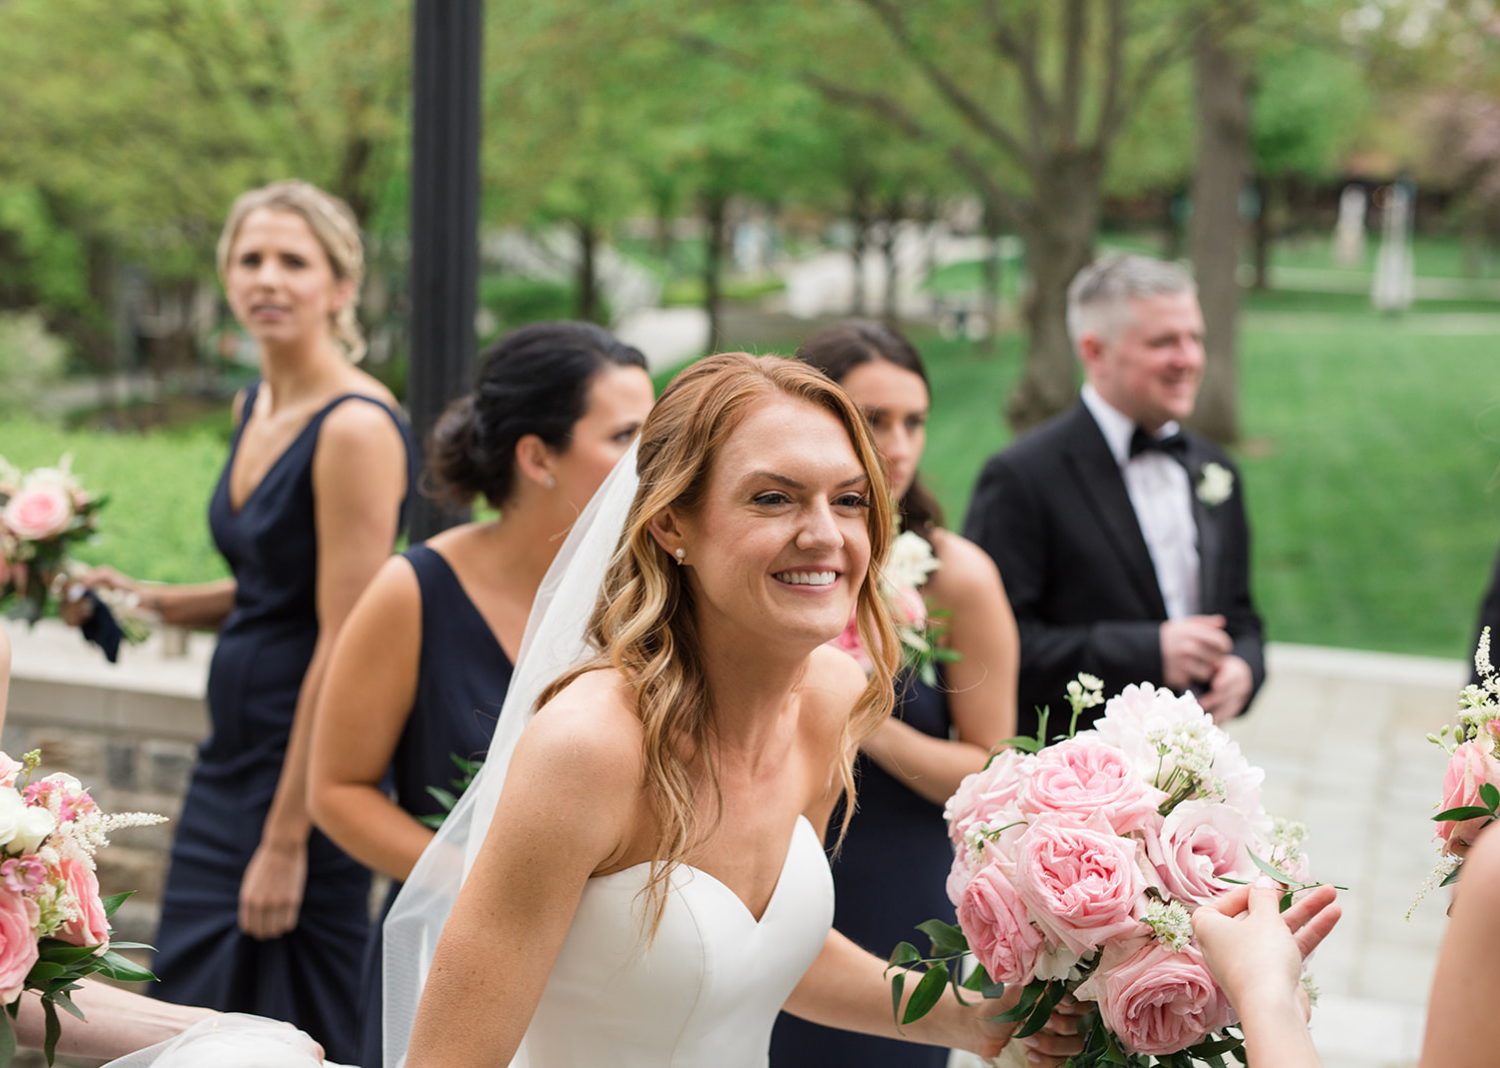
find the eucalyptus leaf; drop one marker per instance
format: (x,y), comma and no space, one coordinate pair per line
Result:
(927,993)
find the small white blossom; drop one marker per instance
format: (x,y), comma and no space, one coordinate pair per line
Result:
(1311,989)
(1215,484)
(911,560)
(1170,923)
(1446,865)
(1057,962)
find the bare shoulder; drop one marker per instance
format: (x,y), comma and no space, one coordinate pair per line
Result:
(967,573)
(358,425)
(588,737)
(394,591)
(834,682)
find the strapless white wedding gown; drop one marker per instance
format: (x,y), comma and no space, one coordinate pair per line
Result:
(704,993)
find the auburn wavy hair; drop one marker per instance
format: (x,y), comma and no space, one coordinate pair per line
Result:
(643,623)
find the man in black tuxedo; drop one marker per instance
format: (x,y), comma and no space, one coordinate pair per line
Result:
(1122,538)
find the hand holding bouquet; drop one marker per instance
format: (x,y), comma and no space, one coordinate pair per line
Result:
(54,925)
(1077,867)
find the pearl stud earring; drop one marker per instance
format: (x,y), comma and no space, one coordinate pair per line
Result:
(681,555)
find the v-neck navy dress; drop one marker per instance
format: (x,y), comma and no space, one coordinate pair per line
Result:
(462,677)
(310,976)
(890,875)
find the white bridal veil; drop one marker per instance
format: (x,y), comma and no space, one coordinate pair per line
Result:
(555,641)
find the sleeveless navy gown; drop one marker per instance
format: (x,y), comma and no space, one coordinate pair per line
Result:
(462,677)
(889,876)
(309,976)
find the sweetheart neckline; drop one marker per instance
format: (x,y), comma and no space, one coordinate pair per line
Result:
(786,860)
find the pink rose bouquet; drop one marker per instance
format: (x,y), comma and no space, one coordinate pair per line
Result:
(911,560)
(43,513)
(1076,869)
(54,924)
(1471,784)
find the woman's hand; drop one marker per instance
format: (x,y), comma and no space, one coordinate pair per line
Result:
(78,610)
(1050,1047)
(271,892)
(1255,951)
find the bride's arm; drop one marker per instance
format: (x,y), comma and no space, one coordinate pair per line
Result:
(570,795)
(847,988)
(1460,1032)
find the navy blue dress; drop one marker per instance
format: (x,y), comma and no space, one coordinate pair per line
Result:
(890,875)
(310,976)
(462,676)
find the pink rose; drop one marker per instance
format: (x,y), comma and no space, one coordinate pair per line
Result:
(1469,768)
(907,606)
(9,770)
(38,512)
(18,952)
(90,927)
(1199,845)
(1156,1001)
(1000,934)
(1081,884)
(1081,776)
(984,795)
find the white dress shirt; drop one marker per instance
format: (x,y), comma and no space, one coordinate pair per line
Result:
(1161,494)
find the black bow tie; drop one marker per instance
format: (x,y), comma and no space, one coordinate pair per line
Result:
(1173,445)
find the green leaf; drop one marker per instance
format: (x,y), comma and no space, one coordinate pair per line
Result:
(1022,1008)
(1490,795)
(1275,873)
(53,1030)
(43,972)
(947,939)
(443,797)
(977,978)
(63,952)
(1213,1047)
(905,953)
(434,820)
(1029,745)
(1463,812)
(130,945)
(1042,1011)
(927,993)
(1452,876)
(991,988)
(114,901)
(125,970)
(62,998)
(7,1039)
(897,985)
(958,989)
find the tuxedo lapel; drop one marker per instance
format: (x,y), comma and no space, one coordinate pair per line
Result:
(1093,465)
(1210,532)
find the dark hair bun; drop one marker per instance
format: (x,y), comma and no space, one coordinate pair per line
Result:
(534,380)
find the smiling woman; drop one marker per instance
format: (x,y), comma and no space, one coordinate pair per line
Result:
(653,863)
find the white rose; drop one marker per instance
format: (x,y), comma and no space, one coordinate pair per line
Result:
(33,828)
(12,808)
(911,560)
(1215,484)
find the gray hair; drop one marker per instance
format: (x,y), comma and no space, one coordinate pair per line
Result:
(1098,296)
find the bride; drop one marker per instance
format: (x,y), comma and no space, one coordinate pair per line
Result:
(653,887)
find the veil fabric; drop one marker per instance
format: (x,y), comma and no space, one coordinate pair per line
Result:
(555,641)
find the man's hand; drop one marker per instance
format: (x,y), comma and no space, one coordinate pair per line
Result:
(1192,649)
(1229,690)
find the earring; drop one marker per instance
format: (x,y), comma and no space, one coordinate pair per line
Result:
(681,555)
(551,482)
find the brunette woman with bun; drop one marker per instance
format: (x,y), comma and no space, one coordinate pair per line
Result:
(890,872)
(422,668)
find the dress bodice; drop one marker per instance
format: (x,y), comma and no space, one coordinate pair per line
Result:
(704,993)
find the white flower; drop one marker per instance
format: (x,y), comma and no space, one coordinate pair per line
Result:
(1170,923)
(911,560)
(1057,962)
(12,808)
(1215,484)
(34,826)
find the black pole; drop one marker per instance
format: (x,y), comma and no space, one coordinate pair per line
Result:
(444,220)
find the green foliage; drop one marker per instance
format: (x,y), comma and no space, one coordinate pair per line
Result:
(516,301)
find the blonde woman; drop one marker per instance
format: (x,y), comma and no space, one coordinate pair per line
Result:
(261,913)
(654,868)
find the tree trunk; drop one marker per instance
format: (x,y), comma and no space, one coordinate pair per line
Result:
(861,216)
(587,279)
(894,210)
(715,210)
(1262,234)
(990,287)
(1059,235)
(1223,97)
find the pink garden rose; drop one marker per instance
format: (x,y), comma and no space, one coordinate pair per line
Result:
(1081,883)
(9,771)
(38,512)
(983,796)
(1155,1000)
(1081,776)
(1000,935)
(1469,768)
(18,952)
(91,926)
(1199,845)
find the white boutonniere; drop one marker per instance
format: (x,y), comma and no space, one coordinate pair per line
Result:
(1215,484)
